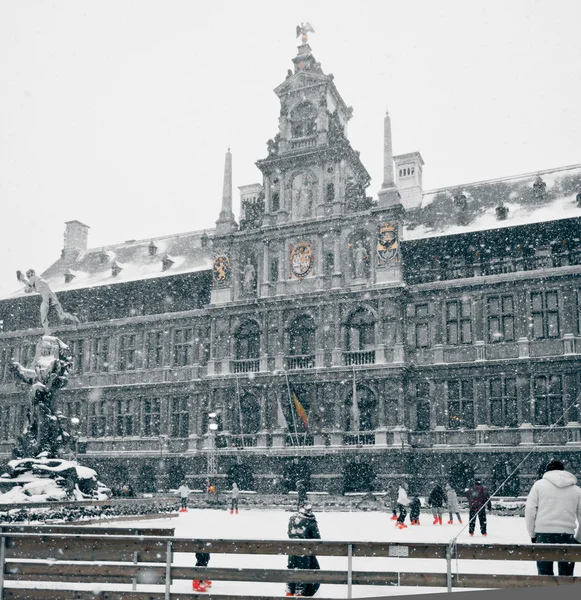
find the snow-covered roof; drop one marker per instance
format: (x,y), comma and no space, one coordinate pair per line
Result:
(442,213)
(134,261)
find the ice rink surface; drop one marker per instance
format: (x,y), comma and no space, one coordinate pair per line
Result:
(339,526)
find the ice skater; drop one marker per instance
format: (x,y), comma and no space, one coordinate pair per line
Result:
(415,508)
(478,500)
(453,506)
(234,495)
(184,492)
(402,503)
(437,500)
(201,585)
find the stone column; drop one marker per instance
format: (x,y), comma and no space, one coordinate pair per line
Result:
(523,390)
(264,288)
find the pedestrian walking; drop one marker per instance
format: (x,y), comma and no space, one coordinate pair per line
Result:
(415,507)
(234,495)
(478,501)
(553,513)
(402,504)
(303,525)
(436,500)
(453,506)
(184,492)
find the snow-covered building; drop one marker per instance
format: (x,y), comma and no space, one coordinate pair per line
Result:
(452,317)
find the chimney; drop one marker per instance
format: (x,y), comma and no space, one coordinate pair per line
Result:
(76,236)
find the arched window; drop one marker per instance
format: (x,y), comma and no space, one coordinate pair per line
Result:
(361,330)
(246,416)
(302,336)
(248,341)
(366,409)
(303,120)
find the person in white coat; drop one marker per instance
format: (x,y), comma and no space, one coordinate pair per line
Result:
(402,503)
(553,513)
(184,492)
(453,506)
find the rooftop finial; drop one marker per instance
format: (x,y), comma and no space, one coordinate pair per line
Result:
(303,29)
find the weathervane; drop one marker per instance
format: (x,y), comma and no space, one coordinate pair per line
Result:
(302,30)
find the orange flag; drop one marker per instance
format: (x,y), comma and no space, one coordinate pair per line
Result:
(301,411)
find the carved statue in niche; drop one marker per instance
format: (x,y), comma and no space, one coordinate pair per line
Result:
(359,260)
(249,277)
(303,194)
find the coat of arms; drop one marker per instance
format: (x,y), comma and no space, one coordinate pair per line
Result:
(221,268)
(387,243)
(302,259)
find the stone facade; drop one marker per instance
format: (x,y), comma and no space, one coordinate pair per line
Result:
(462,342)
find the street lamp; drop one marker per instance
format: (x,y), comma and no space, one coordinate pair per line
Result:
(212,469)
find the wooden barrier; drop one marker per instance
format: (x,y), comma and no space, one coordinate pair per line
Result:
(78,557)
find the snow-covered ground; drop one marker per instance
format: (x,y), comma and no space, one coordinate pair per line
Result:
(343,526)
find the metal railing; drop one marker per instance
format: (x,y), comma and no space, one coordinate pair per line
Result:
(110,560)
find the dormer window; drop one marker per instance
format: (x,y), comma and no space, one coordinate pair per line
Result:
(303,120)
(166,263)
(104,257)
(152,248)
(69,276)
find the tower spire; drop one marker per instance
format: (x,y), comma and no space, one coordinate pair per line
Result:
(388,180)
(388,194)
(226,222)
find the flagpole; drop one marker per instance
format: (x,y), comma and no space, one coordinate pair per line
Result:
(290,400)
(354,411)
(240,411)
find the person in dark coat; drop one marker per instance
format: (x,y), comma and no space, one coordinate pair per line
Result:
(303,526)
(301,492)
(201,585)
(437,500)
(478,499)
(415,507)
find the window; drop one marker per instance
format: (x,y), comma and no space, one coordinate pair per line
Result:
(503,407)
(183,347)
(124,418)
(128,352)
(151,417)
(180,418)
(98,419)
(99,359)
(155,349)
(274,270)
(458,322)
(548,400)
(27,352)
(4,423)
(6,357)
(302,336)
(275,201)
(21,420)
(418,325)
(460,404)
(330,193)
(248,341)
(303,120)
(329,266)
(500,311)
(422,406)
(545,314)
(78,354)
(361,331)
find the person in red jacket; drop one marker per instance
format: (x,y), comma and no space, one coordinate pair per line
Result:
(478,500)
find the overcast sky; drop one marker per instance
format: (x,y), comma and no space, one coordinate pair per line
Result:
(118,112)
